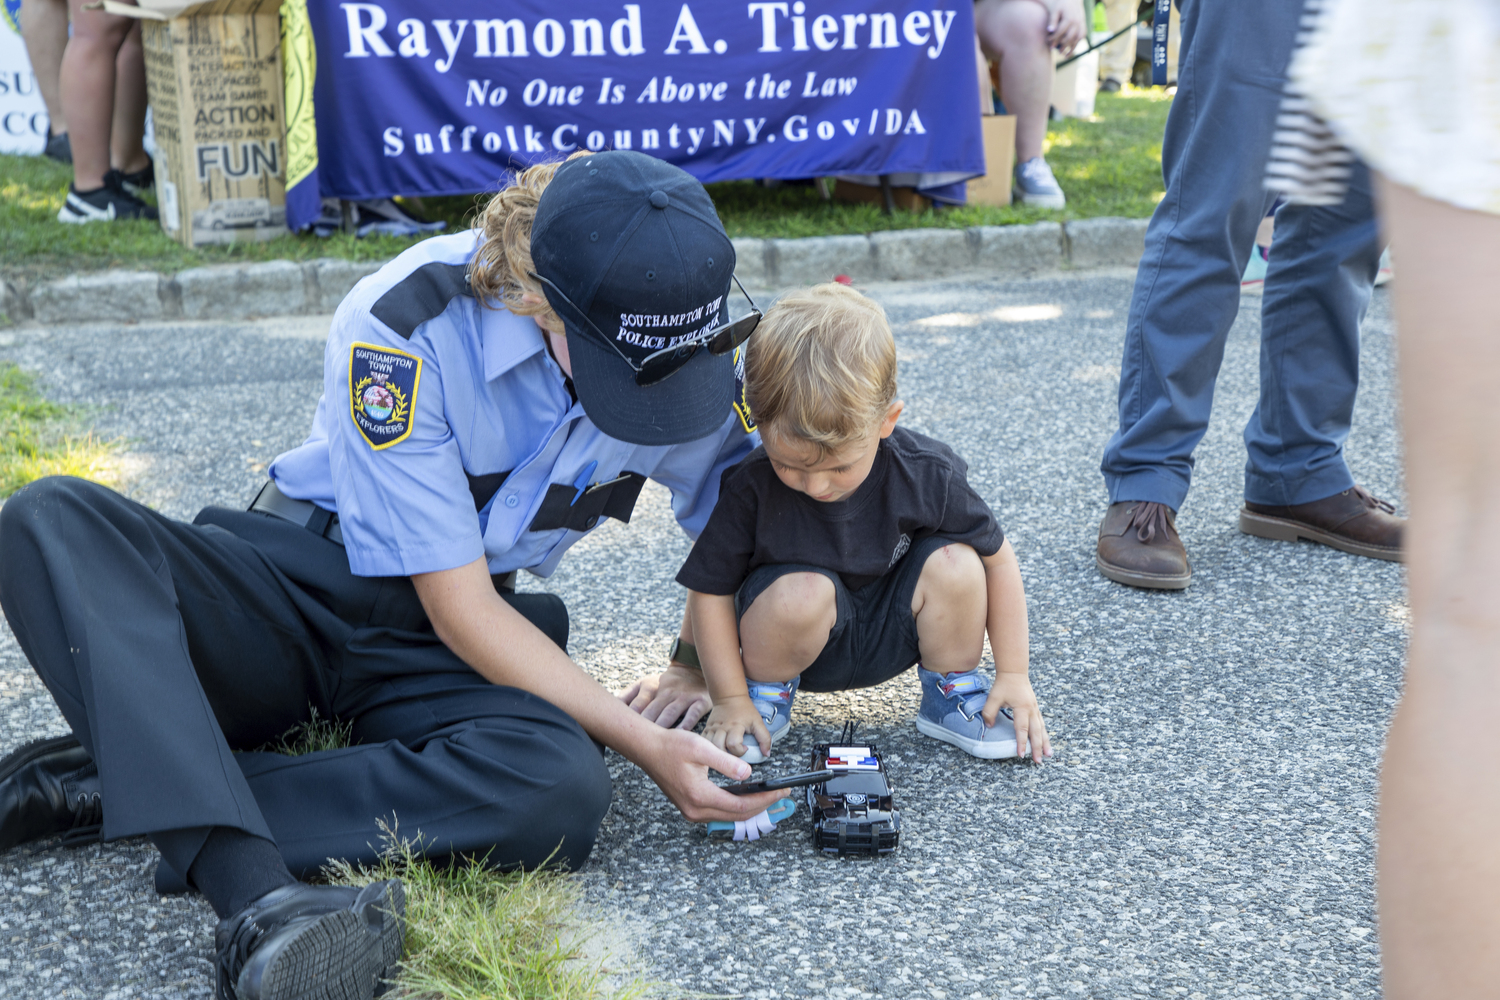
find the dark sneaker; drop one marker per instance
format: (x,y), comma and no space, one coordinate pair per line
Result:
(1139,546)
(49,787)
(59,148)
(107,204)
(312,942)
(1352,521)
(1109,85)
(137,182)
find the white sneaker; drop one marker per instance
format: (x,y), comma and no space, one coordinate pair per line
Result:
(1036,186)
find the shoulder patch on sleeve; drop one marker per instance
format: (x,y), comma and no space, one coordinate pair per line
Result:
(742,405)
(420,296)
(383,392)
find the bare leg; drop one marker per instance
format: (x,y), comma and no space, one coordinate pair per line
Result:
(88,90)
(1015,32)
(1439,881)
(128,126)
(787,626)
(950,604)
(44,25)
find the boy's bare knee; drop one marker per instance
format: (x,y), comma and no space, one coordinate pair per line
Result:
(797,601)
(952,570)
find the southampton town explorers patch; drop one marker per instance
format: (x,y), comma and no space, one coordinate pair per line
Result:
(382,392)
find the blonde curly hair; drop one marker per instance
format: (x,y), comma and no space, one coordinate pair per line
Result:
(821,367)
(499,271)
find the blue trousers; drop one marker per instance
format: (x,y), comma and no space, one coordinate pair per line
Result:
(1187,291)
(175,651)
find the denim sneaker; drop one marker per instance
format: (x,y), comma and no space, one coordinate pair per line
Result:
(774,703)
(1035,185)
(950,712)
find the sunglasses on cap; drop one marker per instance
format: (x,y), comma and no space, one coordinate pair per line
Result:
(661,365)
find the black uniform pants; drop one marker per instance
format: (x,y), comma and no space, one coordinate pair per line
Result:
(175,650)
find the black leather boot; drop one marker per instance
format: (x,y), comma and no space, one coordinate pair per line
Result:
(49,787)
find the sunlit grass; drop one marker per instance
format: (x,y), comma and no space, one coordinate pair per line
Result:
(473,933)
(476,934)
(40,438)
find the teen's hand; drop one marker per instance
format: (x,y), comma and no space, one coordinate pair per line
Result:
(678,762)
(731,720)
(1066,26)
(1013,691)
(678,695)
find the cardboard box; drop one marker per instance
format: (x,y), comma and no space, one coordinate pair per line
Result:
(999,160)
(214,81)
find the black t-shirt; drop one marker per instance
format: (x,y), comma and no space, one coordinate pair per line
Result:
(916,487)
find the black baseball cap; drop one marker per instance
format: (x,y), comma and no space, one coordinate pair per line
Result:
(634,245)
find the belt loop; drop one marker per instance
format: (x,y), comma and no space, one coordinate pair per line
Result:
(319,521)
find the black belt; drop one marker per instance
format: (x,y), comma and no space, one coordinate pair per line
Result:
(303,513)
(325,523)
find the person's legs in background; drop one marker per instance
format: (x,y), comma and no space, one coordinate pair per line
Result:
(44,26)
(1014,32)
(1439,875)
(88,73)
(1118,60)
(1187,289)
(127,128)
(1318,282)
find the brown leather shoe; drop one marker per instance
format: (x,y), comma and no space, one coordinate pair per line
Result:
(1139,546)
(1351,521)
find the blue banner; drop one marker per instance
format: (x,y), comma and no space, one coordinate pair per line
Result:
(428,97)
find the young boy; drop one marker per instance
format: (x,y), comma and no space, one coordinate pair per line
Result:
(846,549)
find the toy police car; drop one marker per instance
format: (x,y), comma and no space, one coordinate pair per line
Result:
(853,812)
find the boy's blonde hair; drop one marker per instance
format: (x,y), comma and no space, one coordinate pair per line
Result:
(500,269)
(821,367)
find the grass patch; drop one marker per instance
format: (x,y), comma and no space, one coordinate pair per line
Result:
(473,933)
(42,438)
(477,934)
(1108,165)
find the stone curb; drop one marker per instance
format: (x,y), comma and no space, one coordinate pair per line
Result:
(284,288)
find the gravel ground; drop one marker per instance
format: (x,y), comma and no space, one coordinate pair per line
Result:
(1205,829)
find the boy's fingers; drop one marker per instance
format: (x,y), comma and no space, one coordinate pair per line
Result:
(734,740)
(762,734)
(1044,742)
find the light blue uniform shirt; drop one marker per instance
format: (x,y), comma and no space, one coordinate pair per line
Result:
(482,395)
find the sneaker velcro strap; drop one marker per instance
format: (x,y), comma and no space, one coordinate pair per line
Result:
(966,683)
(762,691)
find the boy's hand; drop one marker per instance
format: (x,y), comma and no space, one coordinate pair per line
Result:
(730,720)
(1013,691)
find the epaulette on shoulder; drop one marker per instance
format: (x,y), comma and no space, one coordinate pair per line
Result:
(420,296)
